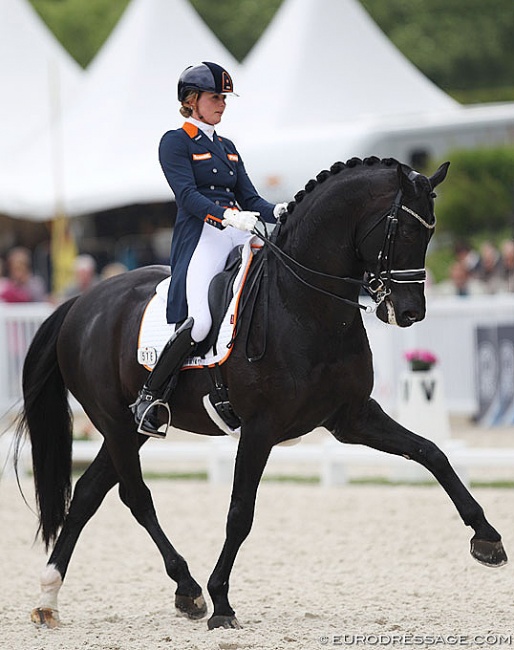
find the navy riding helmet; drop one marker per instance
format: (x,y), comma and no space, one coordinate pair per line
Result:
(205,76)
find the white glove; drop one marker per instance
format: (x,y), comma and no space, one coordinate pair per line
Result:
(240,219)
(279,210)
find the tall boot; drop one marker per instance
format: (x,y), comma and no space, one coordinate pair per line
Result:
(162,380)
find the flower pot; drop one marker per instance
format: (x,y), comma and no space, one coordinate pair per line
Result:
(417,365)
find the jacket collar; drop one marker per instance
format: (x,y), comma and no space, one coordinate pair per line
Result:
(208,129)
(214,147)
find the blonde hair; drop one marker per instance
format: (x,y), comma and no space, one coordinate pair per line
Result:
(187,110)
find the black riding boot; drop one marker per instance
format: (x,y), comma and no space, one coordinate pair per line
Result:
(162,380)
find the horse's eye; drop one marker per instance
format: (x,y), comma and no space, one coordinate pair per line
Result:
(433,195)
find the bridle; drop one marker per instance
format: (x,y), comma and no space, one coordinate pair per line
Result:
(378,283)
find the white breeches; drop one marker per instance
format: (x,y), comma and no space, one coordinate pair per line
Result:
(208,259)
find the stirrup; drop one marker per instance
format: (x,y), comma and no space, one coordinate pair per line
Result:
(154,433)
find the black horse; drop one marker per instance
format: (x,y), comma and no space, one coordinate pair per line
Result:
(300,360)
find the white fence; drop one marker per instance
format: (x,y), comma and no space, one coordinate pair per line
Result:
(449,330)
(326,460)
(18,324)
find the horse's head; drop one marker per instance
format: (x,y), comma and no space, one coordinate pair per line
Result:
(372,217)
(394,245)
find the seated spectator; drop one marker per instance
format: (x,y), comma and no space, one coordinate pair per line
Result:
(507,265)
(20,283)
(84,269)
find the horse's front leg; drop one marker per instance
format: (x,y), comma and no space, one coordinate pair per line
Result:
(252,455)
(377,430)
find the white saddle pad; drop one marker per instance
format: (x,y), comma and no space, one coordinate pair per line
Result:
(155,332)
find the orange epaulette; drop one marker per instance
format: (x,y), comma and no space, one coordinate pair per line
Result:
(190,129)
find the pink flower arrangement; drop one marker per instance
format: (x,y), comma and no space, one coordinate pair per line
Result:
(420,359)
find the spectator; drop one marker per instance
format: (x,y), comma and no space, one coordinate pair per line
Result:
(460,281)
(21,285)
(507,265)
(84,269)
(465,254)
(488,270)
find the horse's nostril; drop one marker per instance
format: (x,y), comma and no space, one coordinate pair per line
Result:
(412,316)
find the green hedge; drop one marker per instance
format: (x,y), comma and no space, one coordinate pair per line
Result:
(477,197)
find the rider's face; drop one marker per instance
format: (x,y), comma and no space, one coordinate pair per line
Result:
(209,108)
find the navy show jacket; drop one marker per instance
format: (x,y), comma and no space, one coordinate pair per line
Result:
(206,178)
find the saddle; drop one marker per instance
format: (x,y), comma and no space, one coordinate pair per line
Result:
(224,295)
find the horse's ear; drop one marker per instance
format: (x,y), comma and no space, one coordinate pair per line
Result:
(403,178)
(439,175)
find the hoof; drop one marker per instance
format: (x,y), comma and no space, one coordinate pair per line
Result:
(191,607)
(488,553)
(45,617)
(228,622)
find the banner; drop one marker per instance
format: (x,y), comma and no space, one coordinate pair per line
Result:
(494,375)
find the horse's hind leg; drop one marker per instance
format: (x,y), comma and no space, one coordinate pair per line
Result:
(376,429)
(189,599)
(89,493)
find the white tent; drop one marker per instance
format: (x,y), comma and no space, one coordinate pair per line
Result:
(321,82)
(39,79)
(325,84)
(108,144)
(329,63)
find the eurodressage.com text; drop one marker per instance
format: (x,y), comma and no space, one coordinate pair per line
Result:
(408,640)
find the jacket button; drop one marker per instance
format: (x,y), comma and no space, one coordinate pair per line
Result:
(214,171)
(231,172)
(227,189)
(212,187)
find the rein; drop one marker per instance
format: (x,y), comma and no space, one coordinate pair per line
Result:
(378,283)
(286,260)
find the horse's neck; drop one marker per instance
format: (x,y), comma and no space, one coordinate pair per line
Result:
(321,235)
(320,241)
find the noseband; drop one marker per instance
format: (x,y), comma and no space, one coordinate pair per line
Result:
(378,284)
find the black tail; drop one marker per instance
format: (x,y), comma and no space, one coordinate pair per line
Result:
(47,418)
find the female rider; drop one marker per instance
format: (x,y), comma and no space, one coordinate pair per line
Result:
(217,208)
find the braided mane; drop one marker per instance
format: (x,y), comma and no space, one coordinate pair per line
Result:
(336,168)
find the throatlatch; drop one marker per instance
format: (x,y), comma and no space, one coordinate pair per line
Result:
(162,381)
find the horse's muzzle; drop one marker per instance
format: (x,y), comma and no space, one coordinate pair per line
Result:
(402,313)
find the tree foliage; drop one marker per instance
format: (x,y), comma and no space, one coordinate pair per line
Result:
(237,23)
(464,46)
(458,44)
(82,27)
